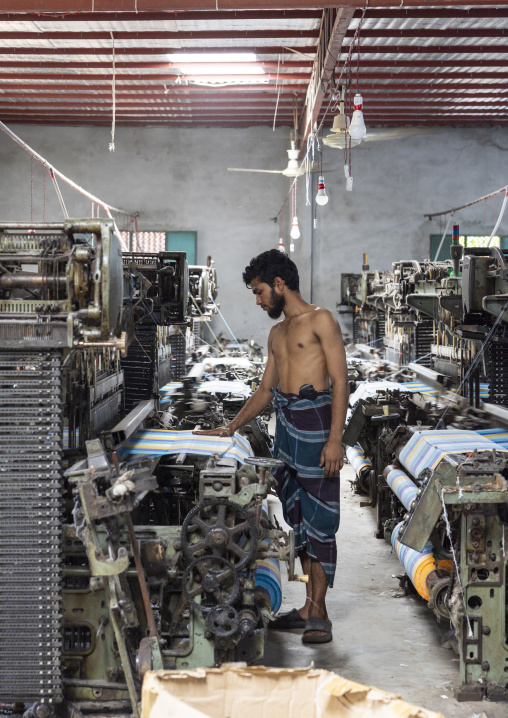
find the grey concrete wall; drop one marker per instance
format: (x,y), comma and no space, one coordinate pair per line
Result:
(177,179)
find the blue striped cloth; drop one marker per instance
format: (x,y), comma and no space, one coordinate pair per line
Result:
(311,503)
(425,449)
(159,442)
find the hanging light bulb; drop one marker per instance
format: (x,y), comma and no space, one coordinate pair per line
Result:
(357,128)
(321,197)
(281,244)
(291,247)
(295,229)
(339,137)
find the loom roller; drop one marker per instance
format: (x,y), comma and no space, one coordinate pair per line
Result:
(419,566)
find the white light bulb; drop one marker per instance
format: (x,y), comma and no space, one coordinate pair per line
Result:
(349,184)
(281,244)
(295,229)
(321,197)
(357,128)
(291,247)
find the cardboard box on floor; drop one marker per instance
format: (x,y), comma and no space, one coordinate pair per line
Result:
(237,691)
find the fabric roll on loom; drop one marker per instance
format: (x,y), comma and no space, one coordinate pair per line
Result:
(402,487)
(417,565)
(356,457)
(267,574)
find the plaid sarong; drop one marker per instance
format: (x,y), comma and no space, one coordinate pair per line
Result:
(310,503)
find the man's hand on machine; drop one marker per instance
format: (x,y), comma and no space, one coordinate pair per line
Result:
(219,431)
(332,458)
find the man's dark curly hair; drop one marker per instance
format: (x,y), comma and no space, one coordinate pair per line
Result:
(268,265)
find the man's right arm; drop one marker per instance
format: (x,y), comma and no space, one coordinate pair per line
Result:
(257,402)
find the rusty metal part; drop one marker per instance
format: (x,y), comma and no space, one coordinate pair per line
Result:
(22,280)
(141,577)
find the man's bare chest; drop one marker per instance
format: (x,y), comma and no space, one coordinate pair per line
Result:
(294,341)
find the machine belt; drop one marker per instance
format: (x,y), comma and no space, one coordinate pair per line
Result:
(31,429)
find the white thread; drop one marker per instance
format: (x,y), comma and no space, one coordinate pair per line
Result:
(503,207)
(457,572)
(278,94)
(443,237)
(112,143)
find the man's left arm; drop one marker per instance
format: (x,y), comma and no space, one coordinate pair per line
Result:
(328,331)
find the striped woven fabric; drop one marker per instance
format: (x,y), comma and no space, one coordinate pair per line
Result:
(416,565)
(498,436)
(425,449)
(158,442)
(311,503)
(268,576)
(357,459)
(402,487)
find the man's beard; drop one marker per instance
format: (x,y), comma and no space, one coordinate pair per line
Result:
(278,304)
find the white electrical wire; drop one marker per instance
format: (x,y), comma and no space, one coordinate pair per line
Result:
(443,237)
(229,328)
(113,91)
(503,207)
(109,208)
(457,572)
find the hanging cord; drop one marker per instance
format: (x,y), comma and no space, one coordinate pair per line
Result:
(469,204)
(475,361)
(31,189)
(228,327)
(457,572)
(278,94)
(56,172)
(113,92)
(44,198)
(208,325)
(443,237)
(58,193)
(501,213)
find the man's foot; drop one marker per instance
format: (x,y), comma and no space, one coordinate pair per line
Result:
(288,621)
(317,630)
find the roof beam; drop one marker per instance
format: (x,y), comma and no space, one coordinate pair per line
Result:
(61,7)
(289,66)
(433,12)
(52,64)
(148,77)
(217,98)
(433,32)
(419,49)
(163,50)
(168,15)
(10,84)
(155,34)
(332,32)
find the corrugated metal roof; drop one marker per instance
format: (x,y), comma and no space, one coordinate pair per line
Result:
(417,65)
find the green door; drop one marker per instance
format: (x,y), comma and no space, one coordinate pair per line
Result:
(183,242)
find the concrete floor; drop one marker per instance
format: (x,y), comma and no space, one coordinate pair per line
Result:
(380,636)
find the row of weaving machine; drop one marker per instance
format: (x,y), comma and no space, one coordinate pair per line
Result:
(427,436)
(126,542)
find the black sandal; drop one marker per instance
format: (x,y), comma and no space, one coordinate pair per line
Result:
(317,624)
(288,621)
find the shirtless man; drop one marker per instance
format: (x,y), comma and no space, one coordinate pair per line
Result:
(305,359)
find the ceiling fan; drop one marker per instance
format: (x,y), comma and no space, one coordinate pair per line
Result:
(292,170)
(339,136)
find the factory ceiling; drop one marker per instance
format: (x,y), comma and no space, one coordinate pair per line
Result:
(169,63)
